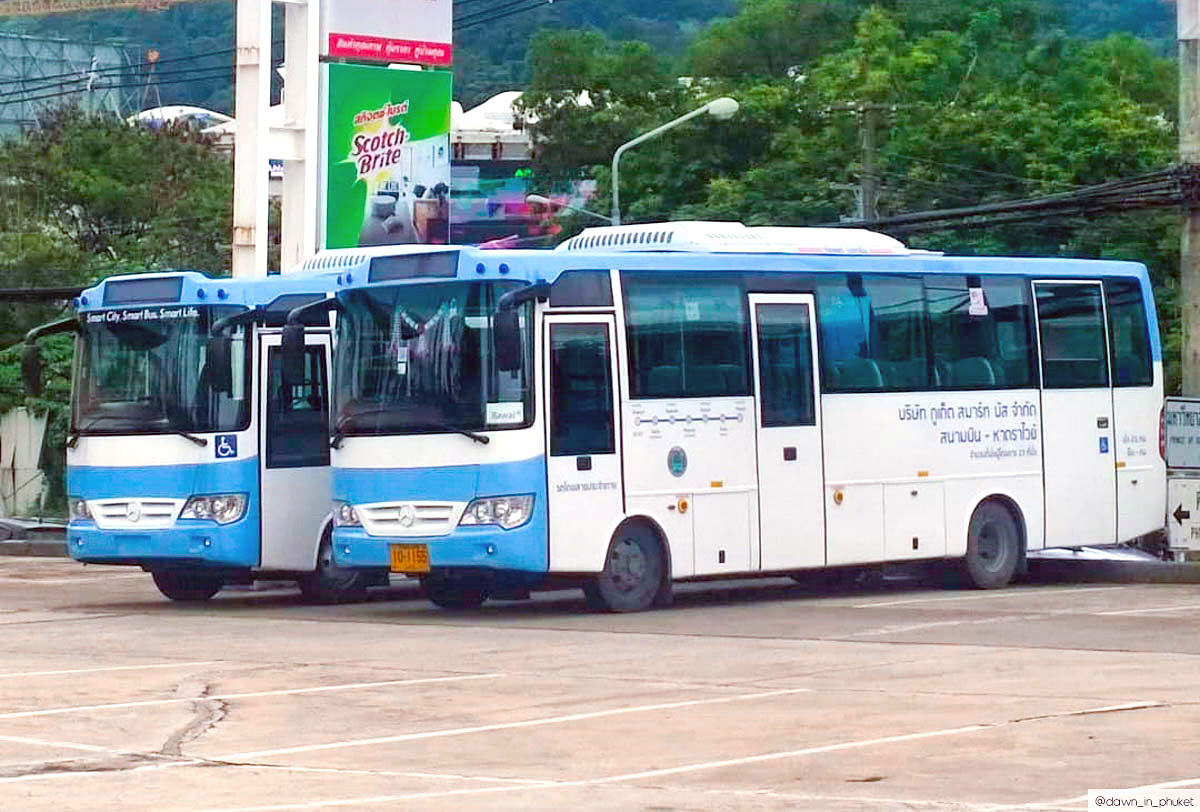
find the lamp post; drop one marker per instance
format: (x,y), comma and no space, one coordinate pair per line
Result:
(542,200)
(720,109)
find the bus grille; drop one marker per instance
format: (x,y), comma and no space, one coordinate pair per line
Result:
(135,514)
(410,518)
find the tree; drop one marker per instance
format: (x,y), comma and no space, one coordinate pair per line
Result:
(148,199)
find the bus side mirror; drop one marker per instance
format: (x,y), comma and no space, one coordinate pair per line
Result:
(31,369)
(292,354)
(220,364)
(506,339)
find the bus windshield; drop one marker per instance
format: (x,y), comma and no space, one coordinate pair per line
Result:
(418,358)
(143,371)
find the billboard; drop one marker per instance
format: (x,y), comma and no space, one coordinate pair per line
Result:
(387,156)
(393,31)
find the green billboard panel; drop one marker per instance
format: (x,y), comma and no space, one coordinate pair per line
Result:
(387,177)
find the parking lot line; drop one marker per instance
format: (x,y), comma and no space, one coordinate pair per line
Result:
(16,674)
(352,686)
(987,594)
(1151,610)
(9,579)
(544,720)
(1181,784)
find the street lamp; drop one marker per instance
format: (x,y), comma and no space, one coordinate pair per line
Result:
(720,109)
(542,200)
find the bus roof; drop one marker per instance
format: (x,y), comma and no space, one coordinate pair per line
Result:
(693,247)
(163,288)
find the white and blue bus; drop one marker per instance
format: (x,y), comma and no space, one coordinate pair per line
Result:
(186,455)
(654,403)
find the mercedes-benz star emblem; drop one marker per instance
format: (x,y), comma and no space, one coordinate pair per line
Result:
(133,511)
(407,515)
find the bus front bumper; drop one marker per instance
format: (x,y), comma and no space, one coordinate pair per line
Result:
(202,544)
(522,549)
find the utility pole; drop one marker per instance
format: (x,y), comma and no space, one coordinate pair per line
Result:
(1188,19)
(869,183)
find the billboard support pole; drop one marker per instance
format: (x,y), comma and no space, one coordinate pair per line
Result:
(296,141)
(250,164)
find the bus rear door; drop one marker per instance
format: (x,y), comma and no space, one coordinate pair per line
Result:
(1077,414)
(294,464)
(585,490)
(791,506)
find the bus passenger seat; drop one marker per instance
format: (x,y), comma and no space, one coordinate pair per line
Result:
(706,382)
(664,381)
(859,373)
(974,371)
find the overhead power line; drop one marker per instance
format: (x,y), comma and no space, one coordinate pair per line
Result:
(1166,188)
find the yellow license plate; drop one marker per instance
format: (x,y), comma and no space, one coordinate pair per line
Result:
(410,558)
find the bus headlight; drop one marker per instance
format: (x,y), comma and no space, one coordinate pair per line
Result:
(222,508)
(506,511)
(344,515)
(78,508)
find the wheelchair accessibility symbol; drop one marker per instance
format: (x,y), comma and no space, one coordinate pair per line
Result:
(226,446)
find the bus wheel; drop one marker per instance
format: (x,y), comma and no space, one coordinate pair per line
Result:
(329,583)
(632,574)
(993,547)
(186,586)
(449,593)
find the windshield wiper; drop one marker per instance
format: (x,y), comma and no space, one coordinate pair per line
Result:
(192,437)
(339,429)
(73,439)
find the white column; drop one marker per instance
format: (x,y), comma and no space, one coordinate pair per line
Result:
(250,165)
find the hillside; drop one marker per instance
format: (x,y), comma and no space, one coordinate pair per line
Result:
(492,53)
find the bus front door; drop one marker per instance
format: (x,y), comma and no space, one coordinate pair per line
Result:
(294,463)
(1078,449)
(791,506)
(585,488)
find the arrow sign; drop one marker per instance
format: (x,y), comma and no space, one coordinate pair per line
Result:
(1180,514)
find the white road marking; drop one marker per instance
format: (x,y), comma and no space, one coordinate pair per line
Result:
(613,779)
(82,579)
(15,674)
(986,595)
(87,748)
(545,720)
(1187,782)
(1151,610)
(249,695)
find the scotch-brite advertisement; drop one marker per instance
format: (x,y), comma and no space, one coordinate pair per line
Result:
(388,176)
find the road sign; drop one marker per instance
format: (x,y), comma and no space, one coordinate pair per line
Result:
(1181,421)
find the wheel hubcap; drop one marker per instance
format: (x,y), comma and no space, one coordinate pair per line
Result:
(627,565)
(993,547)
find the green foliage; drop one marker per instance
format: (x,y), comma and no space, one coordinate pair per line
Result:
(150,199)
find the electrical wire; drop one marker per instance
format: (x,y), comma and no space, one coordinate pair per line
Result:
(463,26)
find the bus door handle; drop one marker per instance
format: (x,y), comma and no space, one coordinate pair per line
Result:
(789,453)
(583,463)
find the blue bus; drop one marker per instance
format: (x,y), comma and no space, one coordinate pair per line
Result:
(662,402)
(187,455)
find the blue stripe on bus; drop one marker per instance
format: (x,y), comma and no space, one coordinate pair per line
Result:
(190,542)
(523,548)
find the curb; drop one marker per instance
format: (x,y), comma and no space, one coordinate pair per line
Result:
(40,548)
(1124,572)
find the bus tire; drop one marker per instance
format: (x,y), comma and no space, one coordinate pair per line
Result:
(449,593)
(186,587)
(993,547)
(633,574)
(329,583)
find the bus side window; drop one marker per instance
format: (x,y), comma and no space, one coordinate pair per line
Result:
(873,333)
(785,365)
(1129,338)
(297,416)
(687,337)
(581,392)
(1072,326)
(980,348)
